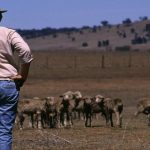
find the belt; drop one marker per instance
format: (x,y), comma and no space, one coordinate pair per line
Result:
(6,79)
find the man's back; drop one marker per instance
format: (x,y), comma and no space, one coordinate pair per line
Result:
(11,41)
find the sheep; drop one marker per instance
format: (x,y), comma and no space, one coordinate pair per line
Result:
(105,106)
(20,117)
(93,105)
(114,106)
(79,103)
(87,108)
(143,106)
(98,102)
(33,108)
(51,109)
(67,106)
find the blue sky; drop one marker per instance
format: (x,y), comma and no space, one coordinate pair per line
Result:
(29,14)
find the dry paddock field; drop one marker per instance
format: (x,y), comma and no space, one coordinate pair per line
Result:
(125,75)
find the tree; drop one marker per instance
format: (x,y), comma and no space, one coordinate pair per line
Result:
(99,44)
(143,18)
(84,44)
(104,23)
(132,30)
(147,27)
(127,21)
(94,29)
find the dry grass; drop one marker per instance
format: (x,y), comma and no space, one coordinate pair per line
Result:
(116,80)
(135,133)
(64,41)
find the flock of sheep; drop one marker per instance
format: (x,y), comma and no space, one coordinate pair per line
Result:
(60,112)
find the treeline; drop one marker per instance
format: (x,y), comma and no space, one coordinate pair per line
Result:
(33,33)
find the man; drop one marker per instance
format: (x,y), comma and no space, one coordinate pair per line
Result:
(12,77)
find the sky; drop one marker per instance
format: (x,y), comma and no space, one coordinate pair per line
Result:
(38,14)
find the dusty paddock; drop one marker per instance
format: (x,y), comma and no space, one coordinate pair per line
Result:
(134,135)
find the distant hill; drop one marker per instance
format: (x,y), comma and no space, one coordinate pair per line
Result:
(127,36)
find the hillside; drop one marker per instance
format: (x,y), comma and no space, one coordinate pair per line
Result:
(134,36)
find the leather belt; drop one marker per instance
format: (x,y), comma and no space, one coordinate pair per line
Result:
(5,79)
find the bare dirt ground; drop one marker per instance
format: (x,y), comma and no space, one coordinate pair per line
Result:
(134,135)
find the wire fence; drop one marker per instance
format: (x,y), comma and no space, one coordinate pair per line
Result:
(90,64)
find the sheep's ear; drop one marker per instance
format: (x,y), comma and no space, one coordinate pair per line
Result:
(103,99)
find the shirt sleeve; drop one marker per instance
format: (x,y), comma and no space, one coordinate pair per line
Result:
(21,47)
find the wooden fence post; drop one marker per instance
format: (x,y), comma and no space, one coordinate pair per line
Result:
(103,61)
(47,62)
(75,63)
(130,60)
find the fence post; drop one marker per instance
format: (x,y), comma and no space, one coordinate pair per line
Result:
(75,64)
(103,61)
(47,62)
(130,60)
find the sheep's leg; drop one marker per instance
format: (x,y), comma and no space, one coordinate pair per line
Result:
(82,117)
(111,119)
(97,116)
(120,116)
(21,121)
(117,118)
(61,119)
(31,121)
(86,119)
(106,114)
(65,116)
(43,120)
(47,119)
(58,120)
(90,118)
(79,115)
(70,119)
(74,114)
(39,120)
(51,121)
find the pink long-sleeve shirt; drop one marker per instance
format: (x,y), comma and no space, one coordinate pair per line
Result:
(10,42)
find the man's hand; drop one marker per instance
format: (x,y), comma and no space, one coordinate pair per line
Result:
(22,76)
(18,80)
(17,77)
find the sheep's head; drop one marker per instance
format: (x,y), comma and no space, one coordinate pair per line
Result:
(87,99)
(50,100)
(140,107)
(67,96)
(99,98)
(77,95)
